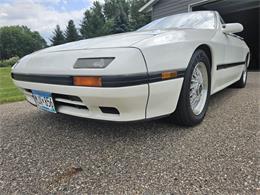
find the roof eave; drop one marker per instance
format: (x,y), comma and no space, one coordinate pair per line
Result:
(148,6)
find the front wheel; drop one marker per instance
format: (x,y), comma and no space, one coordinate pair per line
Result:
(194,97)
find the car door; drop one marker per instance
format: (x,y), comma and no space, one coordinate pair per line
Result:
(229,70)
(234,57)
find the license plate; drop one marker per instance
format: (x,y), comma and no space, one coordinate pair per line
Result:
(44,101)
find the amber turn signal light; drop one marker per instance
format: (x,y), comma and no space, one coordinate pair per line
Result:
(169,75)
(88,81)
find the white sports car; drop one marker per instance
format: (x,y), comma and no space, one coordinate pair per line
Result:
(169,67)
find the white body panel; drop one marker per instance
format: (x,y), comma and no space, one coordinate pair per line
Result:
(111,41)
(173,49)
(231,50)
(163,97)
(135,53)
(130,101)
(61,62)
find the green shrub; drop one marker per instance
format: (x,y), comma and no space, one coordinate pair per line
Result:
(9,62)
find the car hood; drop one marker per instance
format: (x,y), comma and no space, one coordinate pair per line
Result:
(133,39)
(110,41)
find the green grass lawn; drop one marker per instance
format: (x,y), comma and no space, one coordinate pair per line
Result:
(8,92)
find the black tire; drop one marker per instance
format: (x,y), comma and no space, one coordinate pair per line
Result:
(183,114)
(241,83)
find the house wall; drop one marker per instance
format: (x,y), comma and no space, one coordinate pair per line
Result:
(169,7)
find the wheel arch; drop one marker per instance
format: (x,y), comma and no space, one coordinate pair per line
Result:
(183,117)
(208,52)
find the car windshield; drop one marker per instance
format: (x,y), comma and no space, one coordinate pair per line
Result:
(197,20)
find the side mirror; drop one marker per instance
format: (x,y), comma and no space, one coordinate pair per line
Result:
(232,28)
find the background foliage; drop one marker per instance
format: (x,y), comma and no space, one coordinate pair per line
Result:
(58,37)
(114,16)
(19,41)
(9,62)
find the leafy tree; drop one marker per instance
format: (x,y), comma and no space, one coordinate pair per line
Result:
(71,33)
(112,8)
(137,19)
(108,26)
(93,22)
(117,13)
(19,41)
(114,16)
(120,20)
(58,37)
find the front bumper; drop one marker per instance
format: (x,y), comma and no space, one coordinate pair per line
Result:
(129,101)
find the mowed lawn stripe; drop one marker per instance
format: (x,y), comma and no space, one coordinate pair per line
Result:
(8,92)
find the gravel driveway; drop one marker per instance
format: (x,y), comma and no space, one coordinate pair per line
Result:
(42,152)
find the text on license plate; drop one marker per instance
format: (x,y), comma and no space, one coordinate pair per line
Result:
(44,100)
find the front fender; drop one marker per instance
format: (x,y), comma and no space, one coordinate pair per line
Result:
(169,56)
